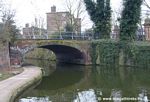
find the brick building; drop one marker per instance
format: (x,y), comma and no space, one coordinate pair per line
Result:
(27,30)
(147,28)
(31,32)
(57,21)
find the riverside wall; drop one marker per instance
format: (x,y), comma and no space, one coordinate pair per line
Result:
(14,86)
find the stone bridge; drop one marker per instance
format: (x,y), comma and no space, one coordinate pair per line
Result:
(67,51)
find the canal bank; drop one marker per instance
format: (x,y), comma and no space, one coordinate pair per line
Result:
(12,87)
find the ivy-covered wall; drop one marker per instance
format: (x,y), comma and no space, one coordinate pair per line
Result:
(105,52)
(140,54)
(110,52)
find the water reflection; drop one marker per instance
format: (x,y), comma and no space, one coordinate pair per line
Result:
(116,95)
(86,96)
(63,76)
(48,66)
(77,83)
(35,99)
(143,96)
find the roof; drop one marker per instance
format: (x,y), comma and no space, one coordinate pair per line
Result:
(57,12)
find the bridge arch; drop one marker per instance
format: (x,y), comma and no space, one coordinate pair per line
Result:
(78,52)
(66,54)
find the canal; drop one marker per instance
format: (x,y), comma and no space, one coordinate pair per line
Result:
(77,83)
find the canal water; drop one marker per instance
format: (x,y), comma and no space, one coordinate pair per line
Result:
(77,83)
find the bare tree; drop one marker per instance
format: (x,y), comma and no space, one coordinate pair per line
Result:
(76,9)
(146,3)
(38,26)
(58,22)
(1,8)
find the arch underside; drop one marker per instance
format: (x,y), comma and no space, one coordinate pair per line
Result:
(66,54)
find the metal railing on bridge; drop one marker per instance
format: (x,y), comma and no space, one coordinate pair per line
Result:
(58,36)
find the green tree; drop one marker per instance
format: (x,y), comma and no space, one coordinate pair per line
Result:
(9,30)
(100,14)
(69,27)
(129,20)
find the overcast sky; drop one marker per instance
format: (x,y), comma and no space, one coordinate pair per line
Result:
(27,10)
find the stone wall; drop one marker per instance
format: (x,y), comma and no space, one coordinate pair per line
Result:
(4,58)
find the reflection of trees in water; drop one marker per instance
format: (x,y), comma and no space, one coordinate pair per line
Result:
(68,80)
(62,77)
(126,79)
(47,66)
(60,85)
(105,77)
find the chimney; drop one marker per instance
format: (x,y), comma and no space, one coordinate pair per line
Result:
(53,9)
(27,25)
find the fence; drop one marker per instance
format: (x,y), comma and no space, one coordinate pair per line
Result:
(59,36)
(141,34)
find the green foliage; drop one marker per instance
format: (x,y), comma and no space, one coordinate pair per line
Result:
(106,51)
(94,53)
(100,14)
(140,54)
(39,53)
(130,18)
(91,8)
(69,27)
(8,29)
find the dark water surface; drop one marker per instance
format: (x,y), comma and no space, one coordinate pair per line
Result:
(76,83)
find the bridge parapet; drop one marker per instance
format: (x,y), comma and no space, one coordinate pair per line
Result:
(59,36)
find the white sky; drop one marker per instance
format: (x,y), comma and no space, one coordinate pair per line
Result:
(27,10)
